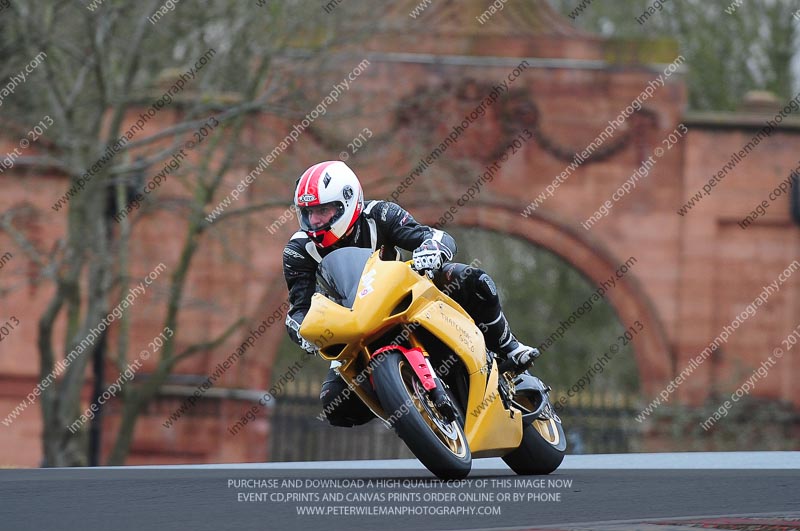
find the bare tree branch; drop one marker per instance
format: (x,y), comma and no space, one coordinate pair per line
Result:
(209,345)
(248,210)
(7,224)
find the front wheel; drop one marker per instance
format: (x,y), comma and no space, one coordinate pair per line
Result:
(440,445)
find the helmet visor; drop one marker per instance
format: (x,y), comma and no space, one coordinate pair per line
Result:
(320,217)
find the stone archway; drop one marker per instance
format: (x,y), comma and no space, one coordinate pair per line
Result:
(654,357)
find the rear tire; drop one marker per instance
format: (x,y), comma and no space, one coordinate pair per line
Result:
(537,454)
(440,446)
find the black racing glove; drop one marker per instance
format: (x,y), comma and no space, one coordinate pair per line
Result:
(430,256)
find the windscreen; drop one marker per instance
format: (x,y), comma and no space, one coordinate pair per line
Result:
(340,272)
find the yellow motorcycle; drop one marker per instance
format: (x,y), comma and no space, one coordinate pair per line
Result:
(419,362)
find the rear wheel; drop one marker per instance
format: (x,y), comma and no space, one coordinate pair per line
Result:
(440,445)
(543,445)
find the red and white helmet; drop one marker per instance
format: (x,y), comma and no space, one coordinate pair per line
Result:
(328,183)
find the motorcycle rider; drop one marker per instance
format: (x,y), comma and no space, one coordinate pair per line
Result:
(333,214)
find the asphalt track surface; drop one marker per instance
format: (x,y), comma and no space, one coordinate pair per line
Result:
(648,492)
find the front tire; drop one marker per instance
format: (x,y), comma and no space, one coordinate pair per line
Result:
(440,446)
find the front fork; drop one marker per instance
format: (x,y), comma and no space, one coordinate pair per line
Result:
(427,376)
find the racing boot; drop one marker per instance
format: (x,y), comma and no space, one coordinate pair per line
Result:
(513,355)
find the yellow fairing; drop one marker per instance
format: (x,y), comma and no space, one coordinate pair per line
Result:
(490,428)
(382,304)
(371,312)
